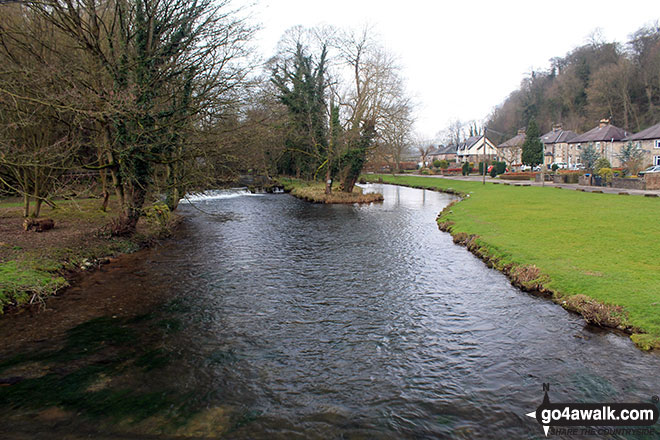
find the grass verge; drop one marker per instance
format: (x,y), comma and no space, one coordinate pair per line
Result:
(595,254)
(315,192)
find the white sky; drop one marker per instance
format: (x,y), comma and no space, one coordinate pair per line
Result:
(462,58)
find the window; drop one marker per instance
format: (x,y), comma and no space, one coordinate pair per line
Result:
(656,160)
(656,143)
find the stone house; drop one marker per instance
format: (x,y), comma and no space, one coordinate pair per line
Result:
(649,141)
(475,149)
(607,139)
(510,151)
(557,148)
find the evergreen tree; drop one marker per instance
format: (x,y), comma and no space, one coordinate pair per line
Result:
(532,149)
(302,91)
(589,156)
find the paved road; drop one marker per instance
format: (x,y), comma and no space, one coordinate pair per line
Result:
(575,187)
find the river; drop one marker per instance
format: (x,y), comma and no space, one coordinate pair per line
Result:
(293,320)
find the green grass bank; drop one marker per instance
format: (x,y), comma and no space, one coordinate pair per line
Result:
(596,254)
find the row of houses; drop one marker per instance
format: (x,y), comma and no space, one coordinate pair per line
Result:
(560,146)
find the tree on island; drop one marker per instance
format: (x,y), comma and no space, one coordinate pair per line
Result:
(532,149)
(369,110)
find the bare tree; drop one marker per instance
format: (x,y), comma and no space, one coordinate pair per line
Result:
(145,78)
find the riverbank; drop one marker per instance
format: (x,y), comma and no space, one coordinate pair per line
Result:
(36,265)
(592,253)
(315,192)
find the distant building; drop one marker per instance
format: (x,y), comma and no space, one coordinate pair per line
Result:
(557,149)
(607,139)
(447,153)
(475,149)
(511,150)
(649,141)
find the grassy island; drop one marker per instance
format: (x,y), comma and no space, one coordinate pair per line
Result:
(315,192)
(596,254)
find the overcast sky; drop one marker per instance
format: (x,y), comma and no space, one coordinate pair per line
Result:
(462,58)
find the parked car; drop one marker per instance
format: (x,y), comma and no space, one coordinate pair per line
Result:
(576,166)
(561,165)
(653,169)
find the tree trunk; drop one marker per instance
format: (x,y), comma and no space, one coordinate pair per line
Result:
(25,184)
(349,183)
(132,210)
(116,180)
(37,198)
(26,204)
(37,207)
(173,194)
(328,179)
(105,192)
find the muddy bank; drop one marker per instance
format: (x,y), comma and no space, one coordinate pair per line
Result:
(35,266)
(86,298)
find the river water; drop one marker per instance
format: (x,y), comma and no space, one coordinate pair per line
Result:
(320,321)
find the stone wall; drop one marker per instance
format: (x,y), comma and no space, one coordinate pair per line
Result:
(652,180)
(585,180)
(618,182)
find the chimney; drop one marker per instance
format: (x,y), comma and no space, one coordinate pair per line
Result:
(557,127)
(604,122)
(521,131)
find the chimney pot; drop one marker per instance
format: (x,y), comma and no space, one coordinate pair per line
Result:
(604,122)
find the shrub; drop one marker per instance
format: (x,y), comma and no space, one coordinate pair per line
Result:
(465,169)
(436,163)
(555,167)
(425,172)
(606,174)
(443,164)
(500,167)
(518,176)
(481,168)
(601,163)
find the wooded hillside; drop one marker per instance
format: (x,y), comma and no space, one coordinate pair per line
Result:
(597,80)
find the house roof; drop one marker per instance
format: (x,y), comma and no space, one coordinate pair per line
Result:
(602,133)
(558,136)
(515,141)
(650,133)
(469,142)
(449,149)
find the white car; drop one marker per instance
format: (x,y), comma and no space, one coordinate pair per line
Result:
(653,169)
(561,165)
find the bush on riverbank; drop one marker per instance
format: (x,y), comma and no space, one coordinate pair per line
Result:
(315,192)
(569,236)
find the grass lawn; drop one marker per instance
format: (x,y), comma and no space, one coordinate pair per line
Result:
(315,192)
(604,246)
